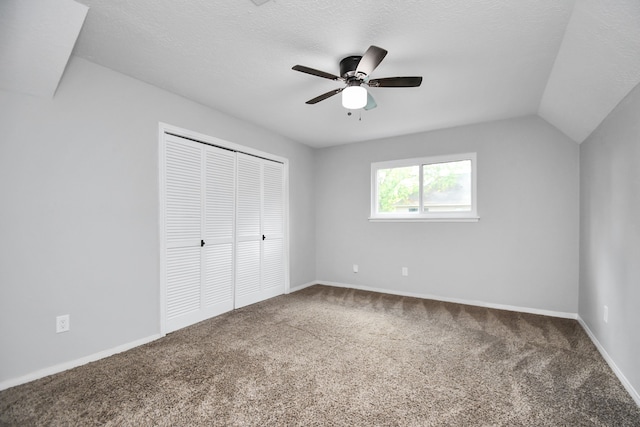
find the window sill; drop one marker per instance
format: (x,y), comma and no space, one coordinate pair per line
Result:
(423,219)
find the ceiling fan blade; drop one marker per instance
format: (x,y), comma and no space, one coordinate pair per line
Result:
(315,72)
(370,60)
(324,96)
(396,82)
(371,103)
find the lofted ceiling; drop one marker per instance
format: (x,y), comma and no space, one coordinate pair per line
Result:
(570,61)
(36,40)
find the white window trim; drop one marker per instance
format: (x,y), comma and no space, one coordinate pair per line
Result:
(471,216)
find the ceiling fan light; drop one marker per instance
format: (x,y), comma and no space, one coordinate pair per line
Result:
(354,97)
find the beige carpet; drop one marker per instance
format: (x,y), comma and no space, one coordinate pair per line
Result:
(330,356)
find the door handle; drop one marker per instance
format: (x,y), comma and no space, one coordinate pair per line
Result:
(264,237)
(201,243)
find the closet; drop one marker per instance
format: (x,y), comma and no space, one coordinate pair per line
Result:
(222,230)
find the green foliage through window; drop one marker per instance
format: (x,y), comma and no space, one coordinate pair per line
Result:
(396,187)
(446,186)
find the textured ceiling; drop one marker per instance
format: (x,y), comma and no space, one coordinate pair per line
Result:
(598,64)
(481,60)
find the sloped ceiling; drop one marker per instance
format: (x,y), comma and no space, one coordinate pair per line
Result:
(597,65)
(570,61)
(36,40)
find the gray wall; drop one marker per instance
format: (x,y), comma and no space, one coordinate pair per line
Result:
(524,250)
(79,218)
(79,212)
(610,235)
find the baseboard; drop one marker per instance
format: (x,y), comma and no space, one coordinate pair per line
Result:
(625,382)
(304,285)
(75,363)
(454,300)
(119,349)
(51,370)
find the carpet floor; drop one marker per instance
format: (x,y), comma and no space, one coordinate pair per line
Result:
(332,356)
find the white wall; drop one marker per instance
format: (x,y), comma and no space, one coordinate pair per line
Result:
(79,212)
(524,250)
(610,236)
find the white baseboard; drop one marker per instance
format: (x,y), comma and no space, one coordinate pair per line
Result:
(124,347)
(96,356)
(454,300)
(75,363)
(625,382)
(304,285)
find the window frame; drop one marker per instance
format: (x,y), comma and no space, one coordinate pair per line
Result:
(420,216)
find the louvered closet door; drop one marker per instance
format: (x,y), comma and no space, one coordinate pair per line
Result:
(224,231)
(219,211)
(248,230)
(273,229)
(259,230)
(199,218)
(183,231)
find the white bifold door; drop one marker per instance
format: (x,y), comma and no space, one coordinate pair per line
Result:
(223,231)
(259,230)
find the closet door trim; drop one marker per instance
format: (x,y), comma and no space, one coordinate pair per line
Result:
(167,129)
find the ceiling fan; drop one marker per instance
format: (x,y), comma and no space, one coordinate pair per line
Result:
(355,71)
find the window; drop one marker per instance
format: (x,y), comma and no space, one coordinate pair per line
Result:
(425,189)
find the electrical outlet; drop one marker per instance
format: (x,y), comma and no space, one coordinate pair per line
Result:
(62,323)
(355,268)
(405,271)
(606,314)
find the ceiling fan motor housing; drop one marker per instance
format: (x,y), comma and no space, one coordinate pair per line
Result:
(349,65)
